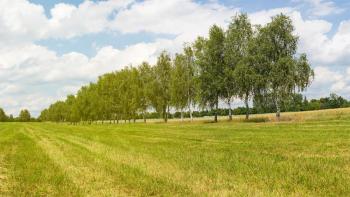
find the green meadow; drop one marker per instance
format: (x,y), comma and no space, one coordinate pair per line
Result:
(308,156)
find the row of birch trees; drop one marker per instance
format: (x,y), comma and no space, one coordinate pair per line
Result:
(246,62)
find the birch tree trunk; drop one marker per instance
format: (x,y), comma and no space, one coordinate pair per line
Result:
(278,109)
(216,110)
(246,102)
(190,109)
(182,115)
(165,114)
(229,110)
(144,116)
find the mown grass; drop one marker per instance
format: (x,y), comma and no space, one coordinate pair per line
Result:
(308,156)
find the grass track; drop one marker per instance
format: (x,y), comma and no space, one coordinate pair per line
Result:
(309,158)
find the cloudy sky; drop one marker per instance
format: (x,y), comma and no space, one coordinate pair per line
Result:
(49,48)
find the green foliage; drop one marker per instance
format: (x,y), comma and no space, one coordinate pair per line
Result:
(331,102)
(3,116)
(258,64)
(24,116)
(145,88)
(283,74)
(296,102)
(192,78)
(179,89)
(236,53)
(161,85)
(209,55)
(245,76)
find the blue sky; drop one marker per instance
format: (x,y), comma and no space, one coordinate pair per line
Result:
(51,48)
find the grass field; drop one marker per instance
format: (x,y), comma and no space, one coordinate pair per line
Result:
(306,156)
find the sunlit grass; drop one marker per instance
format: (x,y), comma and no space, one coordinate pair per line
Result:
(307,155)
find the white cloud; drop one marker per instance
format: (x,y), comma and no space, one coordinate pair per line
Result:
(68,21)
(323,76)
(22,21)
(264,16)
(172,17)
(322,7)
(329,80)
(62,11)
(322,48)
(338,86)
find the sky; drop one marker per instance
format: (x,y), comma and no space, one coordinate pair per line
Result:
(49,48)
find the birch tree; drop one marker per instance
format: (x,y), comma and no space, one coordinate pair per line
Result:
(24,115)
(71,111)
(210,54)
(179,84)
(245,78)
(236,45)
(109,97)
(145,71)
(285,74)
(161,85)
(191,72)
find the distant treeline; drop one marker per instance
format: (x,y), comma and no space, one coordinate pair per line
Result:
(24,116)
(248,62)
(296,103)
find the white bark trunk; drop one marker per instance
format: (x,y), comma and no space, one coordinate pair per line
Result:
(247,108)
(229,110)
(182,115)
(278,109)
(190,109)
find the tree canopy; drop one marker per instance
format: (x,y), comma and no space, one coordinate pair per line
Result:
(256,64)
(24,116)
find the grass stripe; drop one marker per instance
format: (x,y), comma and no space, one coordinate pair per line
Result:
(88,176)
(29,170)
(110,174)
